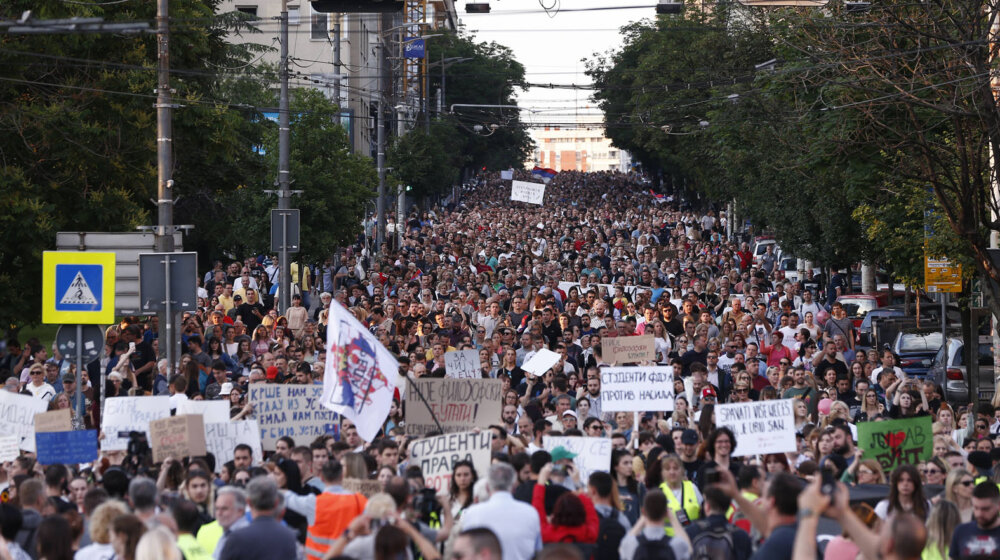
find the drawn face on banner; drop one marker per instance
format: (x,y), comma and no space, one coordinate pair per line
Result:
(357,371)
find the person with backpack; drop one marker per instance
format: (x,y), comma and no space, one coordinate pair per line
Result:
(612,521)
(648,539)
(714,538)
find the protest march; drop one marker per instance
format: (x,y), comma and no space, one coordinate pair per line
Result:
(581,368)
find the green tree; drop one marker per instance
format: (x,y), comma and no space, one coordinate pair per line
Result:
(429,163)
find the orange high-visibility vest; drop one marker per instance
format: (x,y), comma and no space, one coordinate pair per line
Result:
(334,512)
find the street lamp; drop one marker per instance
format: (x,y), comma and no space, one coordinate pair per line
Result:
(445,63)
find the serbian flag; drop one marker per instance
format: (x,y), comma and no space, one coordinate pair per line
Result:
(543,172)
(360,376)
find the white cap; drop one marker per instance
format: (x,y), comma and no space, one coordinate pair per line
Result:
(570,413)
(226,389)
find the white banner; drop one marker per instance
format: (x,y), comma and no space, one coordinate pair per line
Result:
(360,376)
(17,416)
(760,427)
(9,447)
(592,454)
(291,410)
(462,364)
(506,174)
(130,414)
(437,456)
(542,361)
(212,411)
(221,439)
(523,191)
(637,389)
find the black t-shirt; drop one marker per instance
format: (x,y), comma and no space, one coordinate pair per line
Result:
(143,355)
(969,542)
(249,318)
(692,468)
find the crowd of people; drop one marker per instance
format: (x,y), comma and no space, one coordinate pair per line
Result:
(605,256)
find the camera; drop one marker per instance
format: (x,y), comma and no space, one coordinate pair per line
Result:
(713,476)
(560,470)
(425,505)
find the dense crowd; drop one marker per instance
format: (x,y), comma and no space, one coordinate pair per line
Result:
(605,256)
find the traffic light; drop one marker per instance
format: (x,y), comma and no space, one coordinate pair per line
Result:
(357,6)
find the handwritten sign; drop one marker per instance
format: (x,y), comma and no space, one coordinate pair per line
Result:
(542,361)
(458,404)
(523,191)
(637,389)
(506,174)
(69,447)
(462,364)
(211,411)
(897,442)
(437,456)
(221,439)
(9,447)
(366,488)
(592,454)
(628,349)
(293,411)
(53,421)
(130,414)
(760,427)
(177,437)
(17,415)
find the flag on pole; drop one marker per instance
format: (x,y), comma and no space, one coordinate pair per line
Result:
(544,173)
(360,374)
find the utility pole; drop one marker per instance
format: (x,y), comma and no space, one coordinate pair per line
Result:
(336,58)
(284,193)
(380,158)
(164,238)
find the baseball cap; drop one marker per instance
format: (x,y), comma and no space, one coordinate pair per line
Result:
(689,437)
(69,378)
(560,453)
(708,392)
(570,413)
(227,388)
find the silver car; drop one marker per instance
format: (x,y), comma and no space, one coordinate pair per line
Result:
(952,373)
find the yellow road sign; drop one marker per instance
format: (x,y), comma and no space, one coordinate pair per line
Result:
(942,275)
(78,288)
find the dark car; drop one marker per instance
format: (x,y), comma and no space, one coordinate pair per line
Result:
(865,340)
(916,349)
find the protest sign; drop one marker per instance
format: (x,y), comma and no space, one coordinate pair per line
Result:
(293,411)
(221,439)
(541,362)
(629,349)
(130,414)
(506,174)
(523,191)
(177,437)
(211,411)
(17,416)
(637,389)
(69,447)
(760,427)
(458,404)
(437,456)
(53,421)
(462,364)
(360,378)
(592,454)
(366,488)
(9,447)
(897,442)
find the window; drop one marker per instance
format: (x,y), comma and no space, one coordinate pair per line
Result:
(249,10)
(319,26)
(293,15)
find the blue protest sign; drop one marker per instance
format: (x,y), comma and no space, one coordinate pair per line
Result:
(78,446)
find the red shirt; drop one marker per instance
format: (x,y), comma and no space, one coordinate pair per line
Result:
(586,533)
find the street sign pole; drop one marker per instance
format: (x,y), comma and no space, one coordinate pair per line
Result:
(170,316)
(79,371)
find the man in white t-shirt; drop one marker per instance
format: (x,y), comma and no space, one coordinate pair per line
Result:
(888,362)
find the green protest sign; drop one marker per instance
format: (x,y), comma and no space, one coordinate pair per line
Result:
(897,442)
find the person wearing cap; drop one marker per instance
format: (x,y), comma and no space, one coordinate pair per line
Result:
(687,450)
(214,389)
(569,420)
(980,465)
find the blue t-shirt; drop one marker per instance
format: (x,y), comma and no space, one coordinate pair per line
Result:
(779,545)
(969,542)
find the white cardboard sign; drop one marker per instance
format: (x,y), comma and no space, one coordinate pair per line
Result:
(637,389)
(541,362)
(523,191)
(130,414)
(592,454)
(462,364)
(760,427)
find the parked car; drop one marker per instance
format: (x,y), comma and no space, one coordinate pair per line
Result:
(952,374)
(858,305)
(865,338)
(915,349)
(760,247)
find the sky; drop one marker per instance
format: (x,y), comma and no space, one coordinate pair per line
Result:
(552,46)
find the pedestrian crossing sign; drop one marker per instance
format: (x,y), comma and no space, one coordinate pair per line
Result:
(78,287)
